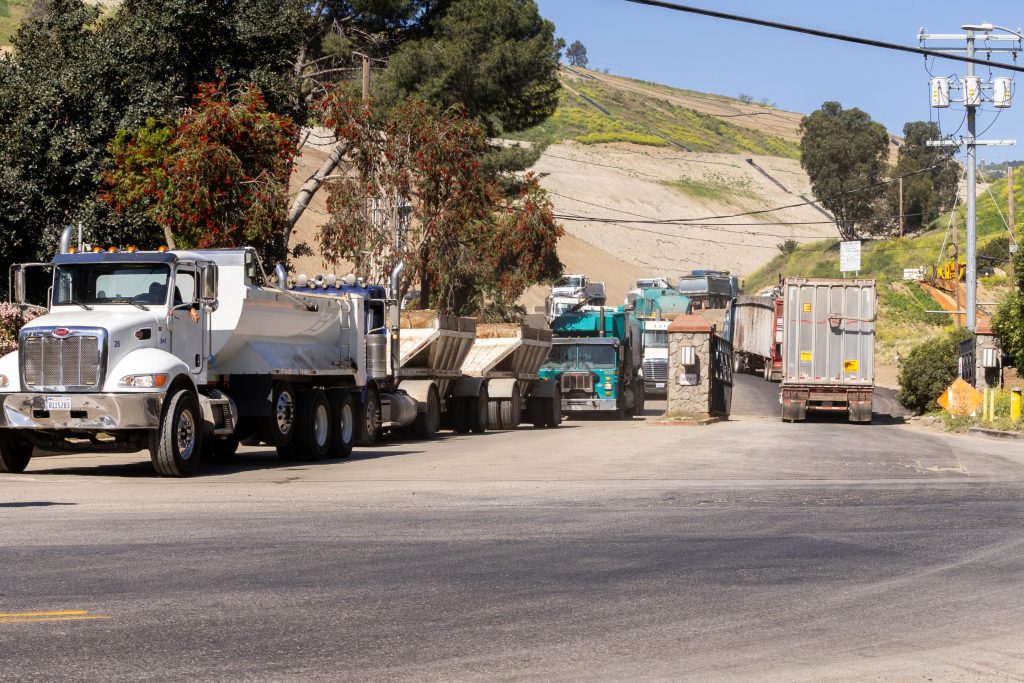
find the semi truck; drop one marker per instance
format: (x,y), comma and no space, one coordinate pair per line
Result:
(656,307)
(828,347)
(572,292)
(596,356)
(509,357)
(752,333)
(185,352)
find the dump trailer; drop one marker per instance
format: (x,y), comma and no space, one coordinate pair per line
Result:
(828,347)
(509,357)
(414,381)
(595,358)
(752,325)
(656,307)
(775,374)
(708,288)
(181,353)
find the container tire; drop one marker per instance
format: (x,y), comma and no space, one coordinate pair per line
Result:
(312,429)
(768,372)
(14,453)
(479,417)
(175,447)
(426,424)
(368,418)
(494,413)
(279,429)
(536,409)
(460,414)
(641,399)
(343,419)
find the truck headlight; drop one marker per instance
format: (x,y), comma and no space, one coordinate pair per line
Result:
(143,381)
(4,382)
(607,386)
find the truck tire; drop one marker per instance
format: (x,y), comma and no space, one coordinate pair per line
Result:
(536,410)
(343,423)
(175,447)
(512,411)
(768,371)
(479,411)
(14,453)
(279,428)
(459,410)
(641,399)
(554,415)
(312,429)
(222,449)
(368,418)
(494,413)
(427,423)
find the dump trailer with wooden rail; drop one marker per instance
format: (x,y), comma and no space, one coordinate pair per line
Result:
(828,347)
(509,357)
(752,326)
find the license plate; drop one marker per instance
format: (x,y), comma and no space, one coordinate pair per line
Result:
(659,385)
(58,403)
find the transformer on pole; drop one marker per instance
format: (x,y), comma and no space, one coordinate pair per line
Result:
(973,88)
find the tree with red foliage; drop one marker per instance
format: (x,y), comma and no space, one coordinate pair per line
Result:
(216,177)
(416,172)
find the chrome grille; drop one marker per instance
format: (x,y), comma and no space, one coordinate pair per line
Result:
(577,381)
(71,362)
(656,370)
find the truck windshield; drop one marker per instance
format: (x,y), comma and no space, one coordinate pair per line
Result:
(111,283)
(574,282)
(602,356)
(656,339)
(561,356)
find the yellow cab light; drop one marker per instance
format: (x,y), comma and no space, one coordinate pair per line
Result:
(112,250)
(72,250)
(162,248)
(97,250)
(131,250)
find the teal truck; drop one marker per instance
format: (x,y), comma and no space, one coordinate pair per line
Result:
(596,356)
(656,307)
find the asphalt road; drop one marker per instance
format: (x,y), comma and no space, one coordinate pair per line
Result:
(746,550)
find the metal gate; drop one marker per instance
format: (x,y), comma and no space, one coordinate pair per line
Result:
(721,376)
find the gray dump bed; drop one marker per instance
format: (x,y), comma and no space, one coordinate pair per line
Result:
(829,332)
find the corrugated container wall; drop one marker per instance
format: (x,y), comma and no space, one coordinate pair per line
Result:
(753,323)
(829,332)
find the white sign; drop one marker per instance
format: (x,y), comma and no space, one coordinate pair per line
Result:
(916,274)
(849,256)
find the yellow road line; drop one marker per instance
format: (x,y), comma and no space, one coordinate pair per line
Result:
(4,620)
(61,613)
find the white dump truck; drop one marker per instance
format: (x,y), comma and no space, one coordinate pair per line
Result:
(183,352)
(509,357)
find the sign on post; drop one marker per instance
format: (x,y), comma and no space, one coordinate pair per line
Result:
(960,398)
(849,256)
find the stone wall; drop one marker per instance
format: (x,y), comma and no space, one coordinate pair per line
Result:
(683,397)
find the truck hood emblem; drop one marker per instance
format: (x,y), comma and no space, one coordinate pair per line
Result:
(61,332)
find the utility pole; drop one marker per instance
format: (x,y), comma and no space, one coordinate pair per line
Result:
(1011,216)
(901,206)
(1002,91)
(955,237)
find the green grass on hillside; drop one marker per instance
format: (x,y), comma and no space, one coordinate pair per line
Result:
(12,12)
(714,188)
(886,259)
(645,120)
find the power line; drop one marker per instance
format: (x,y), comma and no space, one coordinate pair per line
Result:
(870,42)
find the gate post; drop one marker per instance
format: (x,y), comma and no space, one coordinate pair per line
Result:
(690,366)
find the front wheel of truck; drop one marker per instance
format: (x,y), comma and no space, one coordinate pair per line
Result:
(176,446)
(14,453)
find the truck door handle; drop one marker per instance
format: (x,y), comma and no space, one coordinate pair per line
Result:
(198,361)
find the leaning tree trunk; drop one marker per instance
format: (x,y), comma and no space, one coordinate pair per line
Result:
(309,188)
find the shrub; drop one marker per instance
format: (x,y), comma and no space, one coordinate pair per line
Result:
(927,370)
(11,322)
(788,247)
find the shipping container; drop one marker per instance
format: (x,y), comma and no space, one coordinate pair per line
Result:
(752,322)
(828,347)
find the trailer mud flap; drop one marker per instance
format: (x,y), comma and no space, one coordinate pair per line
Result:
(794,405)
(860,406)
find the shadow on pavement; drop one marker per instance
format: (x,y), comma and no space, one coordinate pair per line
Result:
(34,504)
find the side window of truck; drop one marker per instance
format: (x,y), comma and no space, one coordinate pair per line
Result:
(184,287)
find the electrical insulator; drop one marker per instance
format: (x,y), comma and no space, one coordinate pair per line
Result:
(940,92)
(1002,92)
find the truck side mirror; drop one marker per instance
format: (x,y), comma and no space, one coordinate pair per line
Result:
(19,285)
(208,282)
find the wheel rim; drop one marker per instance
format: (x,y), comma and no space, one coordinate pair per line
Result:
(347,425)
(321,425)
(284,412)
(185,435)
(371,416)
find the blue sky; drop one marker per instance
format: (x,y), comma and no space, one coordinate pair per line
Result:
(795,72)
